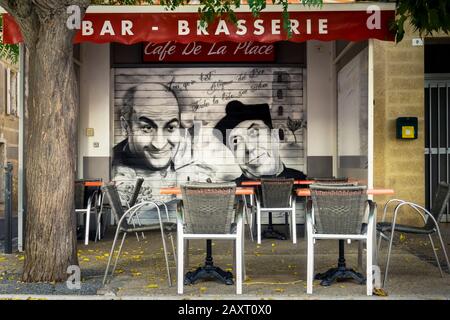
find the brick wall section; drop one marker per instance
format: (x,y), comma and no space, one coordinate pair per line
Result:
(399,91)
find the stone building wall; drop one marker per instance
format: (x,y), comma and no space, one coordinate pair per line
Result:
(398,92)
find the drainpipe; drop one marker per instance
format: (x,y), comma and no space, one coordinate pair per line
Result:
(21,173)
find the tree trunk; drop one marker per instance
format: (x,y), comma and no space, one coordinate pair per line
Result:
(51,122)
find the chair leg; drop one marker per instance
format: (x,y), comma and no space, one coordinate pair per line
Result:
(252,230)
(246,214)
(258,225)
(369,266)
(186,253)
(294,225)
(173,248)
(180,265)
(244,273)
(118,254)
(391,240)
(310,266)
(379,242)
(249,224)
(234,255)
(435,255)
(99,227)
(88,219)
(110,256)
(238,243)
(443,248)
(360,250)
(169,278)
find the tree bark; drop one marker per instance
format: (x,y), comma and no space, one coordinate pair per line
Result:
(51,122)
(51,118)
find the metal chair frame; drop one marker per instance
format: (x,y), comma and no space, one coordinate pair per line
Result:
(91,208)
(425,215)
(128,217)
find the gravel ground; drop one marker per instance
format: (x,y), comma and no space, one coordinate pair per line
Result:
(275,269)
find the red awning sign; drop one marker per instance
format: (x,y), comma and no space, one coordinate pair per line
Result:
(130,28)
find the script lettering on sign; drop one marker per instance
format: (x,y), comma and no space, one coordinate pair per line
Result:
(209,52)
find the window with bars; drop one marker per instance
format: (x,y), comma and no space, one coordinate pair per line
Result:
(9,90)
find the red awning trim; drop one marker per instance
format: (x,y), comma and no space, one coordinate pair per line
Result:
(131,28)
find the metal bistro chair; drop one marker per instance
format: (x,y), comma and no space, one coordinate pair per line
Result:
(337,212)
(133,201)
(342,182)
(431,223)
(276,196)
(86,209)
(124,225)
(207,212)
(129,204)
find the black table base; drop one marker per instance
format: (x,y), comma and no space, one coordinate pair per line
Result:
(209,271)
(271,233)
(341,272)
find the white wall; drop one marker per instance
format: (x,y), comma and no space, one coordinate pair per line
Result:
(95,111)
(320,106)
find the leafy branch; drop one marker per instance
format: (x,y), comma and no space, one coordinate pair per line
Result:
(295,125)
(7,51)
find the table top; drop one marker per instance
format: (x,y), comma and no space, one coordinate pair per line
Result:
(90,182)
(93,184)
(177,191)
(258,182)
(374,192)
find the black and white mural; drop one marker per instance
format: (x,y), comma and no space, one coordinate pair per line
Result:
(173,125)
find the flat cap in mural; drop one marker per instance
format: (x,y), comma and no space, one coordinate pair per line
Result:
(237,112)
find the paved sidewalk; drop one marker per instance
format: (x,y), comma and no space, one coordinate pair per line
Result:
(275,270)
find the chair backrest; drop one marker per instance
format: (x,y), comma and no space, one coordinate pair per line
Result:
(114,201)
(208,207)
(338,209)
(276,193)
(137,189)
(439,204)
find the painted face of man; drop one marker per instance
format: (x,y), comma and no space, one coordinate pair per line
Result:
(153,133)
(254,149)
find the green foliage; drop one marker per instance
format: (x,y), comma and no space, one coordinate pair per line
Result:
(426,16)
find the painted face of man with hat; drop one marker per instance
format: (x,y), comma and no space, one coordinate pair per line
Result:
(247,131)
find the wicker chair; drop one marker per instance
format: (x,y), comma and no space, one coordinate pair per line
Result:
(337,212)
(207,212)
(276,196)
(342,182)
(431,223)
(125,225)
